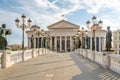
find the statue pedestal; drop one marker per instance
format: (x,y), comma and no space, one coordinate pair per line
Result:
(33,52)
(85,53)
(93,55)
(5,59)
(106,59)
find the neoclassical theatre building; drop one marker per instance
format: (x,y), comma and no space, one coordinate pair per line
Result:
(60,36)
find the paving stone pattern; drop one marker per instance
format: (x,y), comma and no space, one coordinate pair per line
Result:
(57,66)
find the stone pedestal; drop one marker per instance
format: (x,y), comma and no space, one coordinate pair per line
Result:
(33,52)
(93,55)
(5,59)
(106,59)
(81,51)
(85,53)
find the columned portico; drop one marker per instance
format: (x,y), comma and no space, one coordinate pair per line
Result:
(60,33)
(61,43)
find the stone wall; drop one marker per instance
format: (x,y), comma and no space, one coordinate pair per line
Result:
(107,60)
(0,59)
(16,56)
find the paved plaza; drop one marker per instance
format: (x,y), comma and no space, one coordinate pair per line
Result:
(57,66)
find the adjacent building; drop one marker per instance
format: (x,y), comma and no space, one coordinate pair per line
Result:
(60,37)
(116,41)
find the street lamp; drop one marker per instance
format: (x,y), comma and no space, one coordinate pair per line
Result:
(42,40)
(75,45)
(81,34)
(94,27)
(23,27)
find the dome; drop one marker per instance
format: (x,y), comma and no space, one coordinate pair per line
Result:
(34,27)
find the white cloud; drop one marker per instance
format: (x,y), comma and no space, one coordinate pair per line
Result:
(44,12)
(9,19)
(93,6)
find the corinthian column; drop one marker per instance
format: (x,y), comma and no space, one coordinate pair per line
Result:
(65,43)
(50,43)
(99,44)
(71,44)
(60,43)
(55,43)
(34,42)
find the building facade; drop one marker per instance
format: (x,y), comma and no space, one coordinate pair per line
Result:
(61,37)
(116,41)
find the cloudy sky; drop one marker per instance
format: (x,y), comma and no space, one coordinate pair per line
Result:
(46,12)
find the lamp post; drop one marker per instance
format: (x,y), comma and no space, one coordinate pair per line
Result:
(75,46)
(38,33)
(23,26)
(94,27)
(81,34)
(77,40)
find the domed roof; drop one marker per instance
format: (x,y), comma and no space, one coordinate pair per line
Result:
(35,26)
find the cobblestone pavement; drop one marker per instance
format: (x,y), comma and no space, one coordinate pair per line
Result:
(57,66)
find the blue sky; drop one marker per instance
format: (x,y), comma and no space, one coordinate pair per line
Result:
(46,12)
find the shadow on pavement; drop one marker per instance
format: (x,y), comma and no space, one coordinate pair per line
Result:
(92,71)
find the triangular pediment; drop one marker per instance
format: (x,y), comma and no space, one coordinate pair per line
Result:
(63,25)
